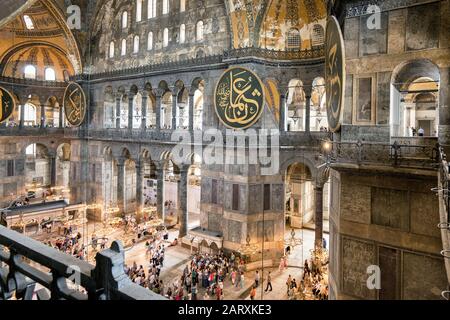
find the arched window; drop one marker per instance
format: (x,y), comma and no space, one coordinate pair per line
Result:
(124,20)
(165,8)
(182,5)
(318,35)
(50,74)
(293,39)
(111,49)
(166,37)
(136,44)
(124,47)
(182,33)
(29,114)
(151,9)
(30,72)
(28,22)
(199,33)
(150,41)
(138,10)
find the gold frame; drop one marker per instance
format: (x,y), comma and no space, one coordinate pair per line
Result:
(14,104)
(373,104)
(85,103)
(263,98)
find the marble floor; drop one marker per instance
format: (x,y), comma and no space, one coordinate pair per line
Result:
(177,257)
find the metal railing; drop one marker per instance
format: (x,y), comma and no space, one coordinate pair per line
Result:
(25,262)
(443,191)
(373,153)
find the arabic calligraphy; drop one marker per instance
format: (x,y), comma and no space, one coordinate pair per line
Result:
(74,104)
(7,105)
(239,98)
(334,74)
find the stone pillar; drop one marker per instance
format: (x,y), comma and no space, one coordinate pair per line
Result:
(318,218)
(42,115)
(61,115)
(22,112)
(308,110)
(174,111)
(191,111)
(130,111)
(282,123)
(53,170)
(160,192)
(444,107)
(121,185)
(182,202)
(158,111)
(118,102)
(144,111)
(139,195)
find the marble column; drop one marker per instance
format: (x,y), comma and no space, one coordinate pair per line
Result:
(160,193)
(318,218)
(182,203)
(444,108)
(308,110)
(43,115)
(144,112)
(118,102)
(174,111)
(22,112)
(191,112)
(53,170)
(130,111)
(158,111)
(121,185)
(282,123)
(139,194)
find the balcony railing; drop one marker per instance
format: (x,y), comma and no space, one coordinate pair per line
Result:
(25,262)
(33,82)
(314,53)
(372,153)
(443,191)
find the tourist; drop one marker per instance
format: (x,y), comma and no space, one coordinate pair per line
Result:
(256,278)
(233,277)
(288,283)
(421,132)
(253,293)
(241,281)
(269,282)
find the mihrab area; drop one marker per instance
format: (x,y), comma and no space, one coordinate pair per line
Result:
(224,150)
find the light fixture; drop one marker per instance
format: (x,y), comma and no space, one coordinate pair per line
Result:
(292,241)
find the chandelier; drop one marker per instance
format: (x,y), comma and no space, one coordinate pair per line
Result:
(292,241)
(248,249)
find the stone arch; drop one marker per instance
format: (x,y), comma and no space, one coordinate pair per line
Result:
(406,118)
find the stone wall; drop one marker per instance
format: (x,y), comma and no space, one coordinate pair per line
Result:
(389,220)
(408,30)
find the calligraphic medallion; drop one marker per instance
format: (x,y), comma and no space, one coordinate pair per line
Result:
(74,104)
(334,73)
(7,105)
(239,98)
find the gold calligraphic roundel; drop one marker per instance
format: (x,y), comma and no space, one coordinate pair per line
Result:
(334,73)
(7,105)
(239,98)
(74,104)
